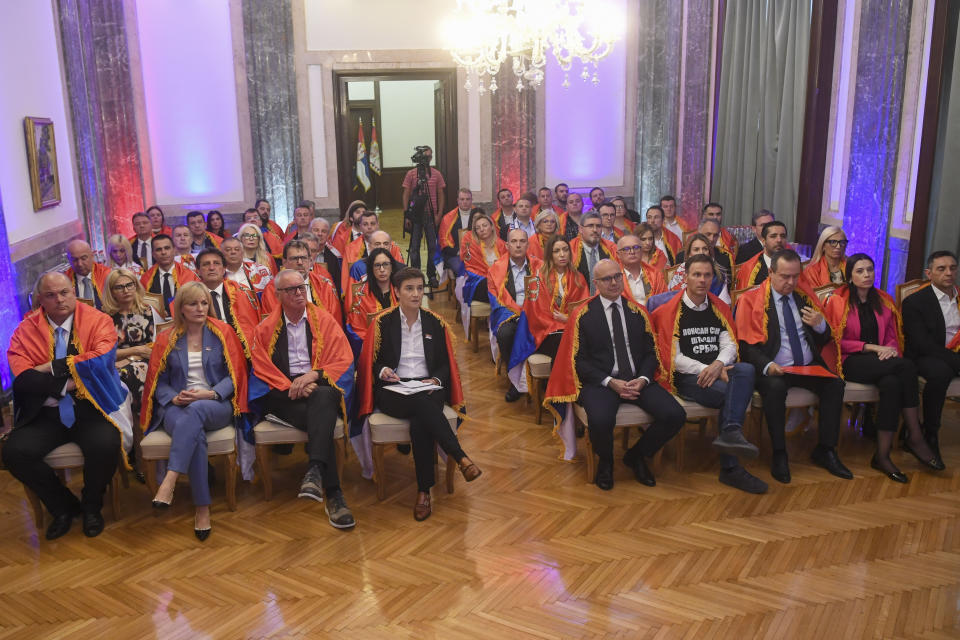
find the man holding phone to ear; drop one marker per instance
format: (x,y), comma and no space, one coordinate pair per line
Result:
(792,336)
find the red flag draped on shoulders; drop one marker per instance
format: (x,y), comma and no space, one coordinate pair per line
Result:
(322,291)
(837,309)
(98,275)
(544,296)
(371,350)
(658,261)
(497,281)
(232,353)
(473,255)
(666,320)
(340,237)
(445,237)
(360,305)
(748,271)
(673,242)
(245,311)
(653,278)
(181,275)
(817,274)
(32,342)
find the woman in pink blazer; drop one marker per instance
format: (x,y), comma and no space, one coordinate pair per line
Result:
(868,331)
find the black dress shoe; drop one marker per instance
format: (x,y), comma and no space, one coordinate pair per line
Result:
(740,478)
(92,524)
(640,470)
(60,526)
(896,475)
(512,395)
(604,477)
(779,467)
(829,460)
(202,534)
(404,449)
(935,463)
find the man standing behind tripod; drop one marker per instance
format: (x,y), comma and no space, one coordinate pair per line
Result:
(431,184)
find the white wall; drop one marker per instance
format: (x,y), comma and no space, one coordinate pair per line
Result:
(406,108)
(190,96)
(344,25)
(30,74)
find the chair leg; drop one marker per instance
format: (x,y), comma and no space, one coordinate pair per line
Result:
(499,363)
(151,471)
(475,333)
(451,473)
(378,471)
(231,472)
(626,438)
(265,463)
(539,399)
(341,453)
(36,505)
(115,493)
(591,463)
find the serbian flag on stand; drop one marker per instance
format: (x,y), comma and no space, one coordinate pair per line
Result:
(363,169)
(375,164)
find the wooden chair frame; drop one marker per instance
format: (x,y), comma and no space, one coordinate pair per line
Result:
(230,473)
(264,459)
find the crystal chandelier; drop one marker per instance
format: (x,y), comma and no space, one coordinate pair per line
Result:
(486,34)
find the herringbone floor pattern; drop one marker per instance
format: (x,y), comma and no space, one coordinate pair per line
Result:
(528,551)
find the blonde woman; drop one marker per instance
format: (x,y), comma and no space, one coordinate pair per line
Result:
(190,390)
(255,247)
(829,259)
(120,254)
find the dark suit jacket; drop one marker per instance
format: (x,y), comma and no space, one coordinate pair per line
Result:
(135,244)
(748,249)
(511,284)
(594,360)
(434,347)
(32,388)
(173,378)
(924,330)
(760,355)
(583,265)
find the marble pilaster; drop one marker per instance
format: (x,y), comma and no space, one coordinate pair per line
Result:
(96,64)
(875,129)
(695,106)
(272,93)
(658,101)
(513,134)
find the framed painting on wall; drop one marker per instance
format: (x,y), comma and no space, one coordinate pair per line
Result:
(42,162)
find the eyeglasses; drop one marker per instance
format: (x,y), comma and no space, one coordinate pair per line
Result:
(631,249)
(249,236)
(837,243)
(298,258)
(382,265)
(130,286)
(616,277)
(297,288)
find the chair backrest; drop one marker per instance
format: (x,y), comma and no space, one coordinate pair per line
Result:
(87,301)
(826,291)
(906,288)
(668,273)
(155,301)
(163,326)
(736,294)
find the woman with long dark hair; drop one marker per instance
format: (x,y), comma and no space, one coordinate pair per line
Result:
(215,224)
(870,351)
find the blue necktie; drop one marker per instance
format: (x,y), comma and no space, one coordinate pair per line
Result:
(66,402)
(790,324)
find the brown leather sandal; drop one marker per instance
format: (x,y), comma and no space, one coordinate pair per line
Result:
(421,511)
(470,472)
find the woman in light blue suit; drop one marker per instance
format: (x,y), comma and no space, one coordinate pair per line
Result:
(188,391)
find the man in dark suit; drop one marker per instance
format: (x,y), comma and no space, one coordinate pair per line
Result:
(303,356)
(796,331)
(616,362)
(755,246)
(931,321)
(140,241)
(414,344)
(47,412)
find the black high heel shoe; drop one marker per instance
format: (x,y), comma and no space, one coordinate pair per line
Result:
(202,534)
(160,504)
(896,476)
(935,463)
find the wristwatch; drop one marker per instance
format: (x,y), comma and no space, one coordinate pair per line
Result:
(216,396)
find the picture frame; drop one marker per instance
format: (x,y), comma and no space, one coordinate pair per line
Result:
(42,162)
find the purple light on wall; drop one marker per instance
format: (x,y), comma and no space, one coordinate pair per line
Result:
(191,101)
(584,123)
(9,309)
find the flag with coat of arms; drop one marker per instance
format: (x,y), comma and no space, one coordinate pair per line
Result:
(363,169)
(375,164)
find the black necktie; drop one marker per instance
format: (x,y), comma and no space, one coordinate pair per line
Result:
(620,345)
(790,324)
(143,255)
(216,304)
(166,290)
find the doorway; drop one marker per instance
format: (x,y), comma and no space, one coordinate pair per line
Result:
(411,108)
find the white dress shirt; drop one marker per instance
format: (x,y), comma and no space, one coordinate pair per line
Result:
(298,351)
(464,220)
(519,281)
(674,226)
(784,357)
(636,285)
(608,312)
(528,227)
(413,362)
(67,325)
(173,281)
(951,313)
(660,244)
(728,349)
(218,302)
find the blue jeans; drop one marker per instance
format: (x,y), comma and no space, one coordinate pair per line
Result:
(732,398)
(188,449)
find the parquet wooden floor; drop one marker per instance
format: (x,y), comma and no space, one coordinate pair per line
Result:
(528,551)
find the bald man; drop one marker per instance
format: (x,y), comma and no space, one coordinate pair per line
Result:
(48,414)
(355,270)
(87,276)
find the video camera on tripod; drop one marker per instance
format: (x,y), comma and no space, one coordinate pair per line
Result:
(420,203)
